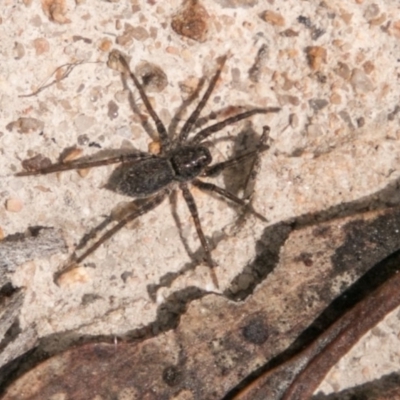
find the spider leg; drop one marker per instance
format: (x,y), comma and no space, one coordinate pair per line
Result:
(82,164)
(145,207)
(210,187)
(172,128)
(87,237)
(206,132)
(195,114)
(116,58)
(195,215)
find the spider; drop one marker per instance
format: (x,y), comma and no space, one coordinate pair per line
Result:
(150,178)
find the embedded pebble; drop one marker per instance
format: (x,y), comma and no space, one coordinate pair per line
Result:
(82,122)
(112,109)
(191,21)
(153,77)
(316,56)
(293,120)
(76,275)
(83,139)
(360,122)
(105,45)
(35,163)
(335,98)
(55,10)
(14,204)
(237,3)
(272,18)
(140,33)
(154,147)
(314,130)
(346,118)
(71,154)
(256,69)
(372,11)
(26,125)
(343,70)
(360,81)
(318,104)
(368,67)
(124,131)
(41,46)
(18,50)
(121,96)
(288,99)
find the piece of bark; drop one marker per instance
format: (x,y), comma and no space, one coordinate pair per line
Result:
(217,343)
(36,242)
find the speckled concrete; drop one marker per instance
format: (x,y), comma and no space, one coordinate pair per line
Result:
(333,69)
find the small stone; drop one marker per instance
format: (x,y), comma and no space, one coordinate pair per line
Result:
(153,77)
(346,118)
(105,45)
(360,81)
(371,11)
(293,120)
(26,125)
(314,130)
(71,154)
(360,122)
(154,147)
(112,110)
(77,38)
(335,98)
(18,50)
(272,18)
(76,275)
(368,67)
(191,21)
(82,122)
(35,163)
(343,70)
(289,33)
(14,205)
(124,131)
(189,85)
(55,11)
(245,281)
(395,29)
(140,33)
(289,99)
(316,56)
(318,104)
(125,39)
(83,172)
(379,20)
(41,46)
(83,139)
(237,3)
(255,71)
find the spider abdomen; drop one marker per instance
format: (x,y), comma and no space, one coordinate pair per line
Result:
(142,179)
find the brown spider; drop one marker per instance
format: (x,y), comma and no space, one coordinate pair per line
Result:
(150,178)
